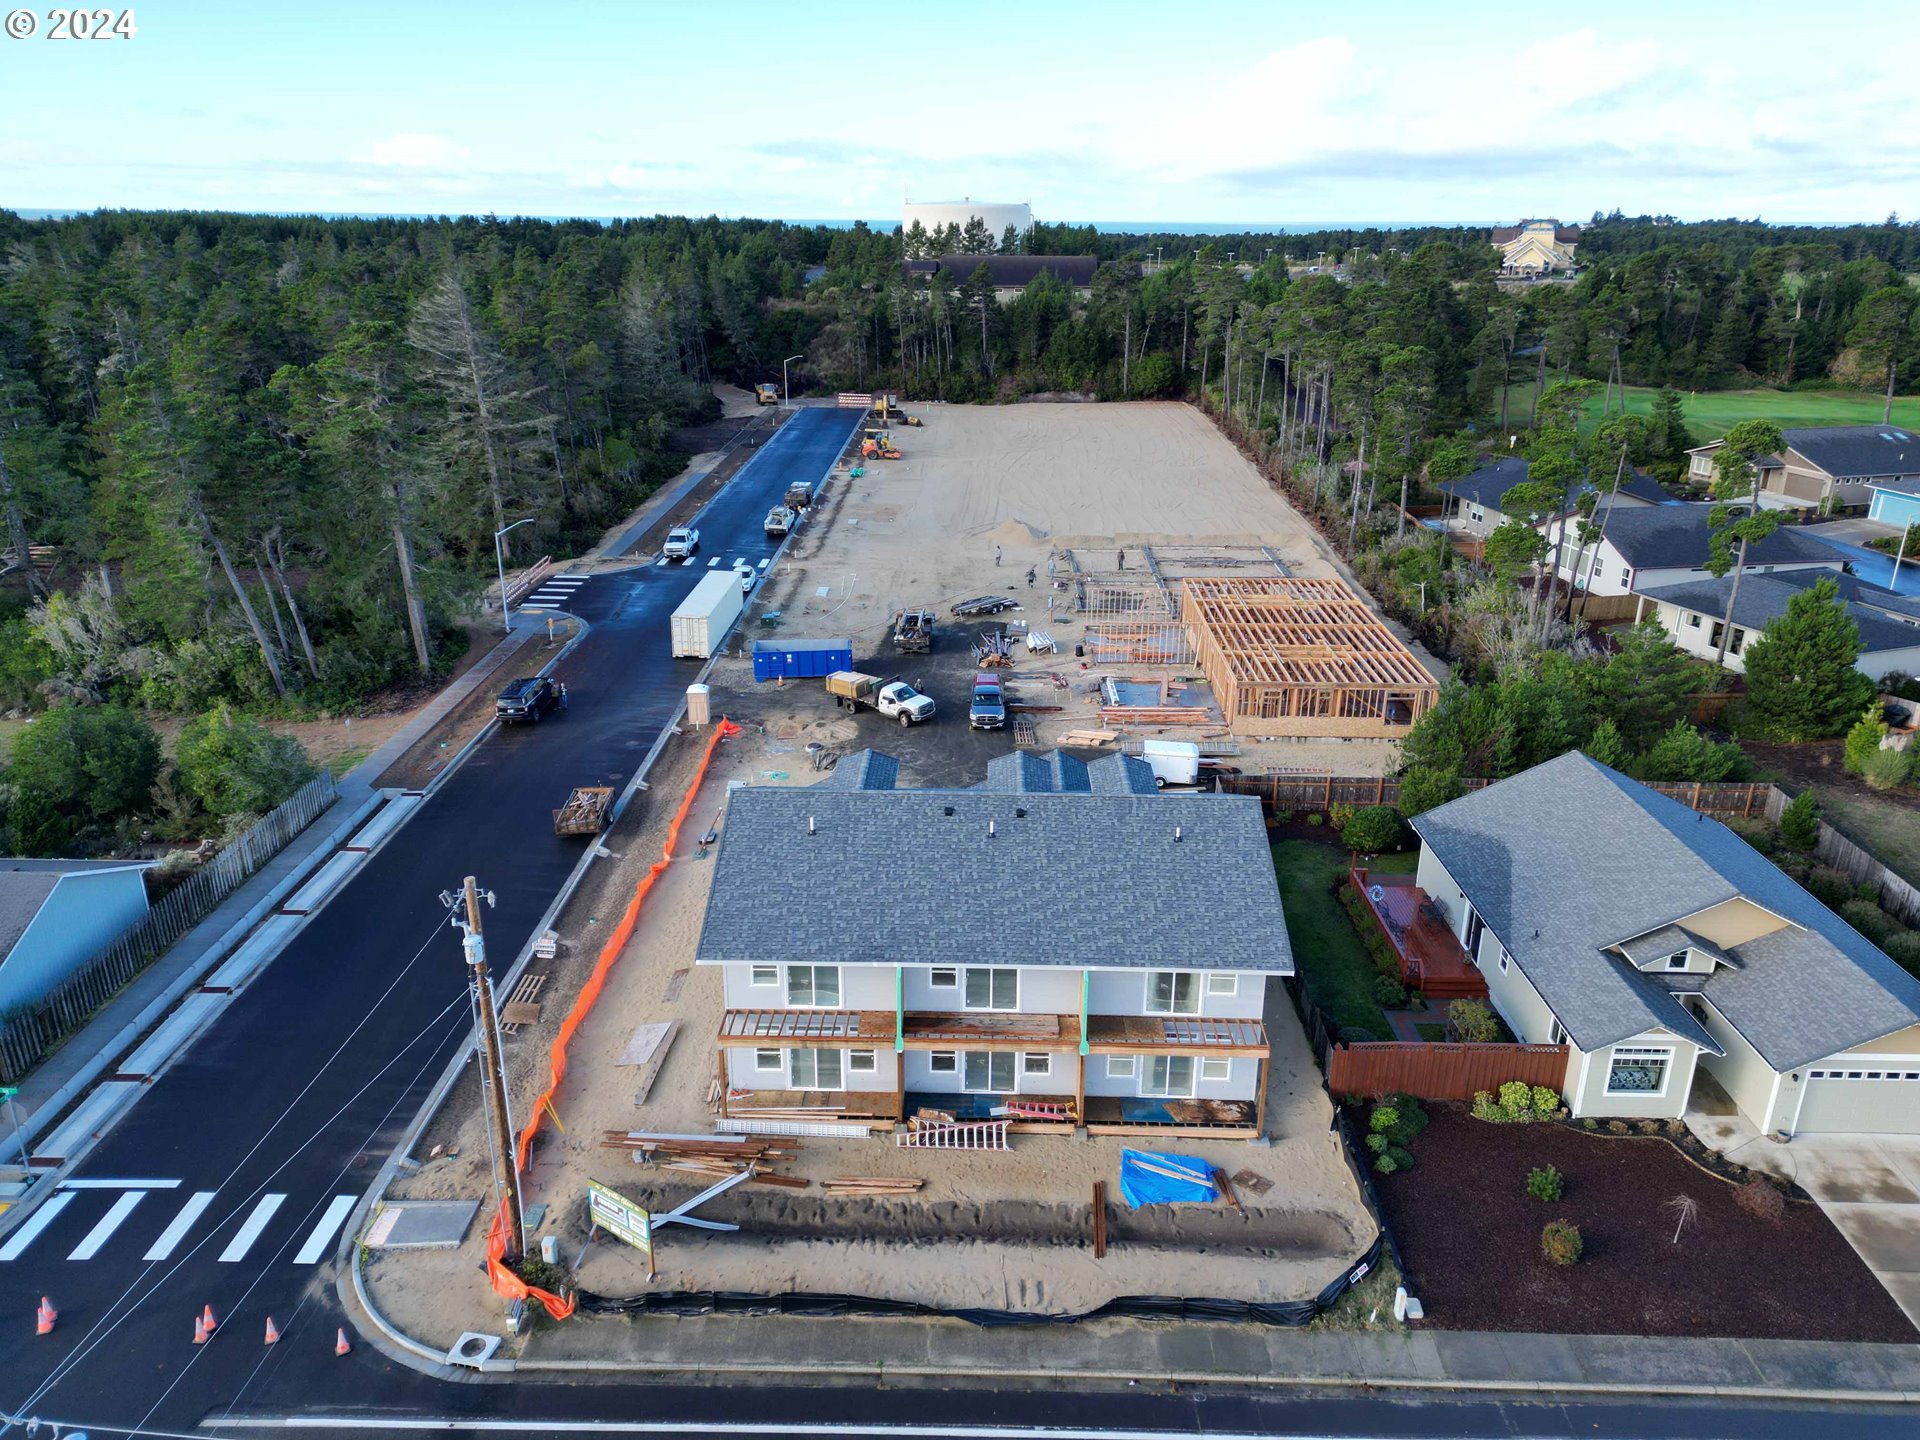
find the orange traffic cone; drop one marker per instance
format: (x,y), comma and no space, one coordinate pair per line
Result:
(200,1331)
(43,1320)
(340,1345)
(273,1335)
(206,1319)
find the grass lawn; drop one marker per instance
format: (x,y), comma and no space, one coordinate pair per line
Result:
(1711,413)
(1427,1030)
(1890,831)
(1325,947)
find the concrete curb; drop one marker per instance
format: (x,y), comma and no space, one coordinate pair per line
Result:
(397,1344)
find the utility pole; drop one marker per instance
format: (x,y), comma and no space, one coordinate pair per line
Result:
(493,1075)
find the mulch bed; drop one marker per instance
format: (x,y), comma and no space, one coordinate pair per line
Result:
(1471,1237)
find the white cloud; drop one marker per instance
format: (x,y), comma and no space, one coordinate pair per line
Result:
(417,151)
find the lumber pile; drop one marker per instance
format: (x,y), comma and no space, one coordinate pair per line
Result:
(1099,1219)
(872,1185)
(1211,1112)
(714,1157)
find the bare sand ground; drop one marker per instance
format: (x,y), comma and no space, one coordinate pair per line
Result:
(998,1230)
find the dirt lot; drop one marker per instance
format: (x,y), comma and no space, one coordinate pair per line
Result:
(1471,1236)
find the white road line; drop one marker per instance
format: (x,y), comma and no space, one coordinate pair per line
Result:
(323,1233)
(109,1222)
(581,579)
(176,1231)
(119,1184)
(250,1232)
(704,1427)
(35,1223)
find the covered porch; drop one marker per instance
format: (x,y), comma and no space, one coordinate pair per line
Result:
(1432,959)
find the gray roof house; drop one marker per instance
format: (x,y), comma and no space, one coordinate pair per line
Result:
(55,915)
(1480,497)
(1667,545)
(1059,945)
(1693,612)
(1827,466)
(1674,945)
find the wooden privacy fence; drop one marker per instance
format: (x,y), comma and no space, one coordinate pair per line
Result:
(29,1033)
(1722,799)
(1439,1071)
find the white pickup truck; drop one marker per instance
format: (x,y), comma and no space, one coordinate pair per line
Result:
(895,698)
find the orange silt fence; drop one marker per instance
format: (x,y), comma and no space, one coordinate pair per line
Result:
(505,1282)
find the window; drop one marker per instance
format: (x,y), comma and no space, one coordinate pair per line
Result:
(1719,629)
(1173,992)
(1638,1070)
(1739,639)
(765,975)
(1556,1034)
(815,1070)
(862,1062)
(992,989)
(1168,1075)
(813,984)
(1677,961)
(1472,940)
(1216,1069)
(943,977)
(1693,621)
(943,1062)
(1122,1067)
(988,1072)
(1505,959)
(1223,984)
(1036,1063)
(766,1059)
(1626,576)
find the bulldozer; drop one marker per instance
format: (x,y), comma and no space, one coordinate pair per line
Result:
(767,394)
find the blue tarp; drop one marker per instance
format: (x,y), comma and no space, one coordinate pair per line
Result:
(1141,1186)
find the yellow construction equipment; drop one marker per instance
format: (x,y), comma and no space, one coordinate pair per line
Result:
(767,394)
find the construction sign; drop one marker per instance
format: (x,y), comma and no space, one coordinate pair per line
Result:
(619,1216)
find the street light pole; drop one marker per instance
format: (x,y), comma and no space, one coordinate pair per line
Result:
(493,1078)
(786,400)
(7,1092)
(500,564)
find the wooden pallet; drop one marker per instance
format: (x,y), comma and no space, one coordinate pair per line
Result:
(1025,735)
(523,1005)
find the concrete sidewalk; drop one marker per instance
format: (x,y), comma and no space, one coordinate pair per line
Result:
(66,1074)
(768,1347)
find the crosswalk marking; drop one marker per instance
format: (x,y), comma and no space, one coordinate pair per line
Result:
(35,1223)
(108,1223)
(119,1184)
(256,1222)
(176,1230)
(321,1234)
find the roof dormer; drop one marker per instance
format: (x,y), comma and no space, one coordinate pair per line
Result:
(1675,950)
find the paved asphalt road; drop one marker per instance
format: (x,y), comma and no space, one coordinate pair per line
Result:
(294,1097)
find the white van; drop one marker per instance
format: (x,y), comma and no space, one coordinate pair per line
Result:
(1174,762)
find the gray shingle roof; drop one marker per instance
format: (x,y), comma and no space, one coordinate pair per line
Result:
(22,893)
(1490,483)
(1524,851)
(1079,881)
(1763,598)
(1855,452)
(864,770)
(1668,537)
(1056,772)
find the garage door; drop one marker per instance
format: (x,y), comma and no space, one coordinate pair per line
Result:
(1863,1101)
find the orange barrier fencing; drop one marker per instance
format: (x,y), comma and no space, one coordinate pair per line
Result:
(505,1282)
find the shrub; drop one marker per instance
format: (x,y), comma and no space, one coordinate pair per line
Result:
(1546,1102)
(1869,919)
(1389,993)
(1516,1098)
(1339,814)
(1373,830)
(1391,1127)
(1283,817)
(1829,886)
(1560,1242)
(1863,740)
(1472,1022)
(1423,787)
(233,765)
(1546,1184)
(1761,1198)
(1887,769)
(1904,947)
(77,768)
(1314,817)
(1800,821)
(1758,832)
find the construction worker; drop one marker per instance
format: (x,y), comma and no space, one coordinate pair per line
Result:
(1030,576)
(996,555)
(563,695)
(1123,559)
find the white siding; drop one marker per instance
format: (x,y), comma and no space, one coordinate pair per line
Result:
(1240,1084)
(1124,992)
(862,987)
(921,1077)
(742,1073)
(1747,1079)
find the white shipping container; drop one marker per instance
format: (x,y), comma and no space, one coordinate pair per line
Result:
(706,615)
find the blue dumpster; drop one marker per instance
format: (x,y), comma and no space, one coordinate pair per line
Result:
(800,659)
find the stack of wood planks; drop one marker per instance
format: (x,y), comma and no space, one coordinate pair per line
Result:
(872,1185)
(717,1156)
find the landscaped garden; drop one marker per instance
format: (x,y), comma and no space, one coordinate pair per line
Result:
(1328,951)
(1656,1245)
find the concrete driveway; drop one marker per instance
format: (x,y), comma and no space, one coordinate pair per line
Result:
(1868,1185)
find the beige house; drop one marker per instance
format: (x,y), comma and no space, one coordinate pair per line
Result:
(1831,467)
(1654,943)
(1536,247)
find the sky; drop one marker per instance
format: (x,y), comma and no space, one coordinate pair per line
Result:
(1251,113)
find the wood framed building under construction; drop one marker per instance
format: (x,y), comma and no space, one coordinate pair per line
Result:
(1302,657)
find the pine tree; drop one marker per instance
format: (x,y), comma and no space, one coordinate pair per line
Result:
(1801,684)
